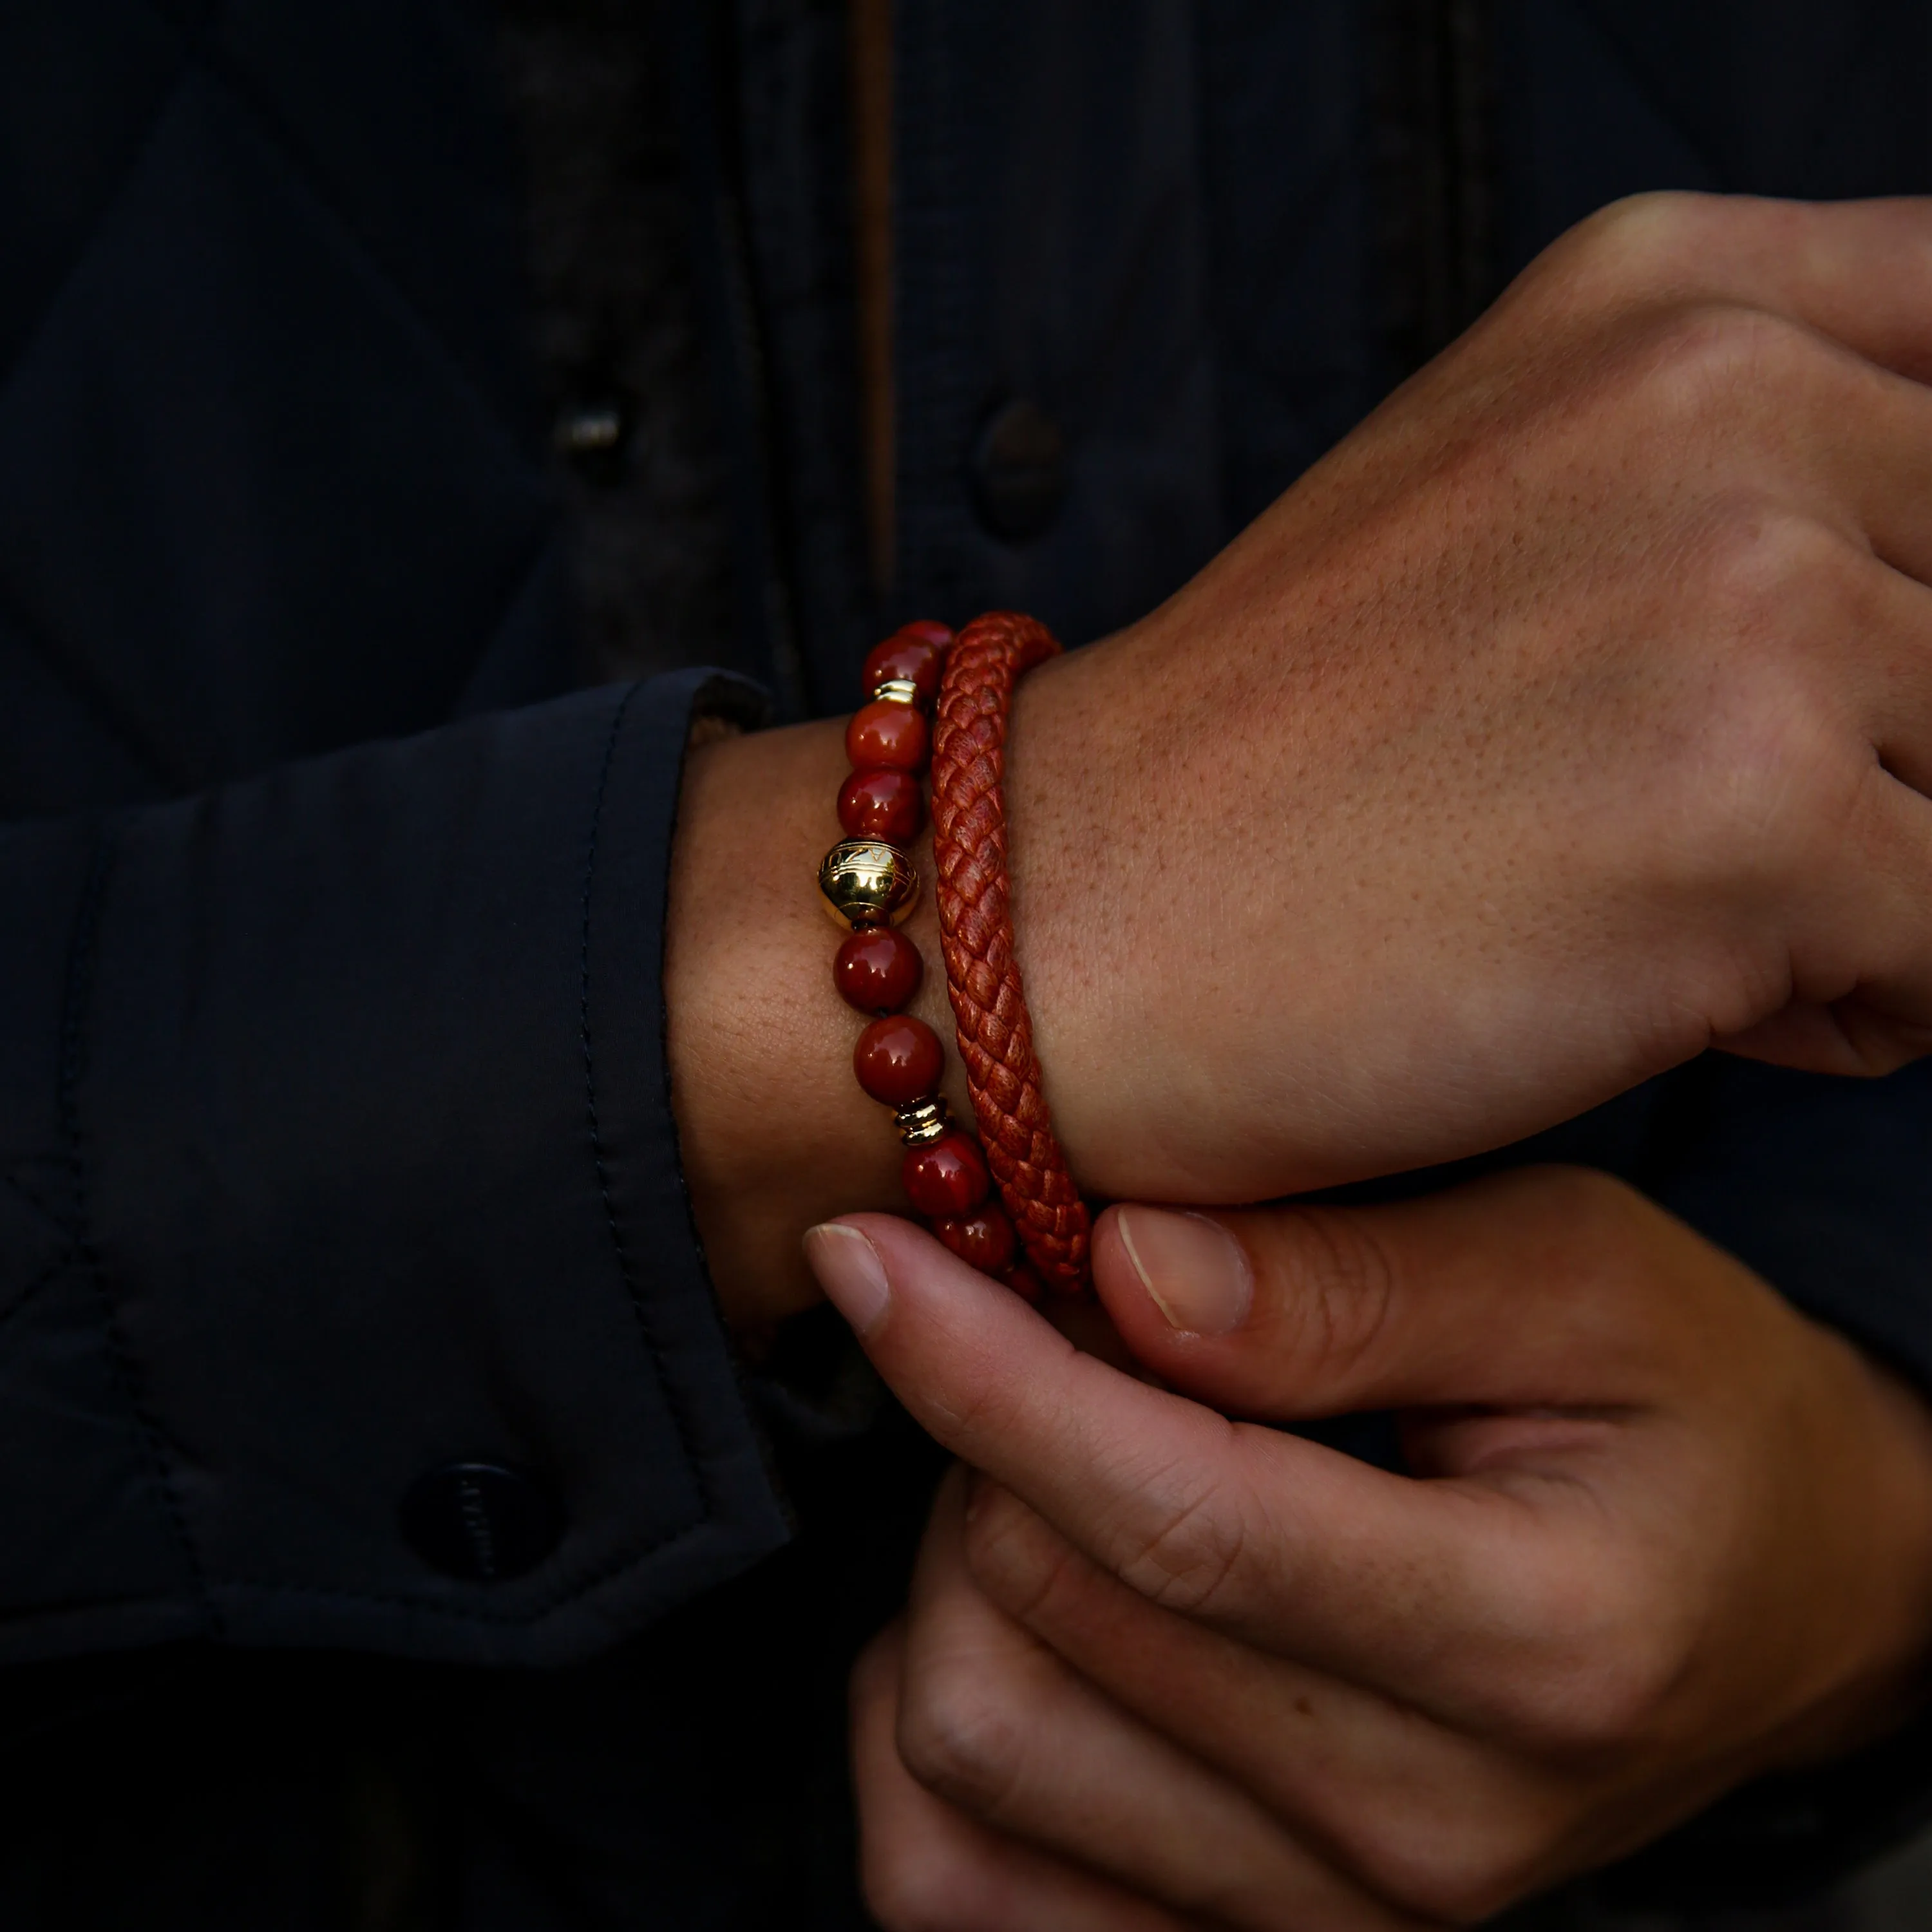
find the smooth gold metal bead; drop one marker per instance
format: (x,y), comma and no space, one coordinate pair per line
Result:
(920,1123)
(866,882)
(895,691)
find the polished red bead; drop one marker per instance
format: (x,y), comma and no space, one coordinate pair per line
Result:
(928,631)
(913,658)
(881,803)
(985,1241)
(883,733)
(898,1059)
(947,1179)
(877,970)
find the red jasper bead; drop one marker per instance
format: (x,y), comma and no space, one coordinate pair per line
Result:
(985,1241)
(898,1059)
(913,658)
(881,804)
(947,1179)
(877,970)
(883,733)
(928,631)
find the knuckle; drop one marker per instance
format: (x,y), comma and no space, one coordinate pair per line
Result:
(1014,1556)
(1456,1851)
(1612,1700)
(1640,233)
(1593,1683)
(1763,763)
(961,1736)
(1760,565)
(1692,362)
(1189,1559)
(1641,243)
(1603,1221)
(1338,1292)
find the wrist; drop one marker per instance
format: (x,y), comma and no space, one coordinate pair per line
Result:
(774,1133)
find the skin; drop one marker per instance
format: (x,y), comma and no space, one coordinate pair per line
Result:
(1662,1534)
(1573,716)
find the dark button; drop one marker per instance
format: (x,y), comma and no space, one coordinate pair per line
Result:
(480,1522)
(592,434)
(1019,472)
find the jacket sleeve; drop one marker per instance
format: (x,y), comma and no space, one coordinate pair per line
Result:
(349,1294)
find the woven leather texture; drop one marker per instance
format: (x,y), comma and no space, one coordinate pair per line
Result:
(969,820)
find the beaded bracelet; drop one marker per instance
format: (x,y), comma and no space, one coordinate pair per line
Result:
(870,885)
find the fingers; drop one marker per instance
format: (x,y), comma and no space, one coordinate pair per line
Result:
(1858,271)
(994,1722)
(1521,1288)
(1421,1816)
(1874,432)
(1861,950)
(1300,1548)
(925,1866)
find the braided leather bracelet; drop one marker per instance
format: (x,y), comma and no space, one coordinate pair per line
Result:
(969,821)
(870,884)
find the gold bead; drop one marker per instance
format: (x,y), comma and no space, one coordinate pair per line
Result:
(920,1123)
(866,882)
(895,691)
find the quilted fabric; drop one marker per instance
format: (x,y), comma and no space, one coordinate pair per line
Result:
(246,517)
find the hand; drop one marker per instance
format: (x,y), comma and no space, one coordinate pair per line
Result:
(1664,1534)
(1576,713)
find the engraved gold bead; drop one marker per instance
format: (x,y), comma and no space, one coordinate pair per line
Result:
(920,1123)
(895,691)
(866,882)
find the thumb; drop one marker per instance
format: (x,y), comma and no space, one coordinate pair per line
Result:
(1519,1289)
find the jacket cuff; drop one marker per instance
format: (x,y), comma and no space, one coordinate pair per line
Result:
(381,1322)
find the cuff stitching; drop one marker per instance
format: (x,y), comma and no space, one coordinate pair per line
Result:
(632,1288)
(76,998)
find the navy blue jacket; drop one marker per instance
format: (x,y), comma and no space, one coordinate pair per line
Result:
(334,1134)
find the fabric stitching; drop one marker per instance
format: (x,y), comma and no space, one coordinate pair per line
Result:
(77,997)
(25,1195)
(631,1287)
(28,1295)
(567,1592)
(98,704)
(578,1586)
(91,240)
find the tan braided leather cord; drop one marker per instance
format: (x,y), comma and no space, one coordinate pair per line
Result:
(969,831)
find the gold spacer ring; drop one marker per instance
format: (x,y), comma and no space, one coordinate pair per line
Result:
(920,1123)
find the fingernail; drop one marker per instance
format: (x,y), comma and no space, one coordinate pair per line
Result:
(850,1270)
(1194,1269)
